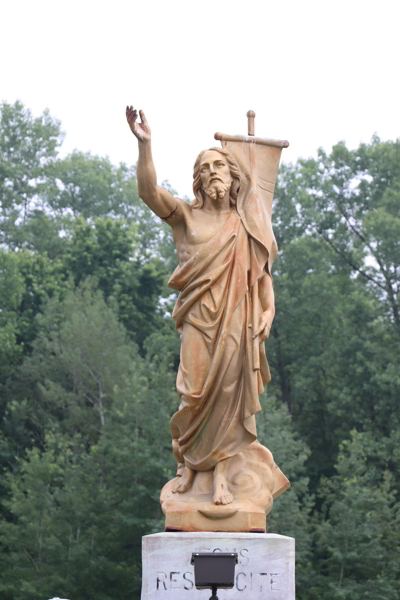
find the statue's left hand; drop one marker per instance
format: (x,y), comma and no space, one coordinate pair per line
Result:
(264,326)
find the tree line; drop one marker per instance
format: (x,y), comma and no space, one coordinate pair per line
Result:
(89,353)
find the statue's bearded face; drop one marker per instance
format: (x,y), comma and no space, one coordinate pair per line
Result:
(215,175)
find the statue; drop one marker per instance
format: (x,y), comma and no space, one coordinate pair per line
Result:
(225,246)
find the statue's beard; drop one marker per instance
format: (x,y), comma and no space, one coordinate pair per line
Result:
(217,190)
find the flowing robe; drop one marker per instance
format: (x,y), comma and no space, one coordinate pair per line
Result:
(218,383)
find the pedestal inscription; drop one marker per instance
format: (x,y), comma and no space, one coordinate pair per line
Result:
(265,569)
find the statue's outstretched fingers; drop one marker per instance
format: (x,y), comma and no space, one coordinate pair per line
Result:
(143,117)
(132,117)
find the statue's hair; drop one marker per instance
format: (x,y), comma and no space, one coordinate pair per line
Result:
(234,171)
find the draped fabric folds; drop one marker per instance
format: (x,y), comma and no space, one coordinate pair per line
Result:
(217,384)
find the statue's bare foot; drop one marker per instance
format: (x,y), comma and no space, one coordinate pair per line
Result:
(222,494)
(184,482)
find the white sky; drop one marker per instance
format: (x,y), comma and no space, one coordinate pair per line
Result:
(315,72)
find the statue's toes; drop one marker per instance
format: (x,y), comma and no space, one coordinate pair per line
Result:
(176,488)
(181,487)
(227,499)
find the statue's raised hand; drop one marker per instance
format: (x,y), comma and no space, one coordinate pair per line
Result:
(140,130)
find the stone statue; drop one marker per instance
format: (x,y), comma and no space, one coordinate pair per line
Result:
(225,246)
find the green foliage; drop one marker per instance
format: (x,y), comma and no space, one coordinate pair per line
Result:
(28,148)
(10,293)
(42,278)
(291,511)
(352,202)
(87,185)
(358,540)
(108,252)
(334,343)
(80,505)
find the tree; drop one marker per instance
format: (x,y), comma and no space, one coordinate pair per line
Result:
(80,354)
(28,148)
(357,538)
(107,252)
(333,346)
(90,186)
(291,513)
(11,288)
(352,201)
(87,498)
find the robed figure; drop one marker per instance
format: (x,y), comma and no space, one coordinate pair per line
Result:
(225,246)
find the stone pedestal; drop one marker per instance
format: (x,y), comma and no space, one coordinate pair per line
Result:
(265,570)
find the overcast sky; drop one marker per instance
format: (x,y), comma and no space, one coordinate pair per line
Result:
(315,72)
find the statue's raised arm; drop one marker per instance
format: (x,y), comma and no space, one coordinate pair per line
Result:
(159,200)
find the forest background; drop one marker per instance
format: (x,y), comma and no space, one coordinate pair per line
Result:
(89,353)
